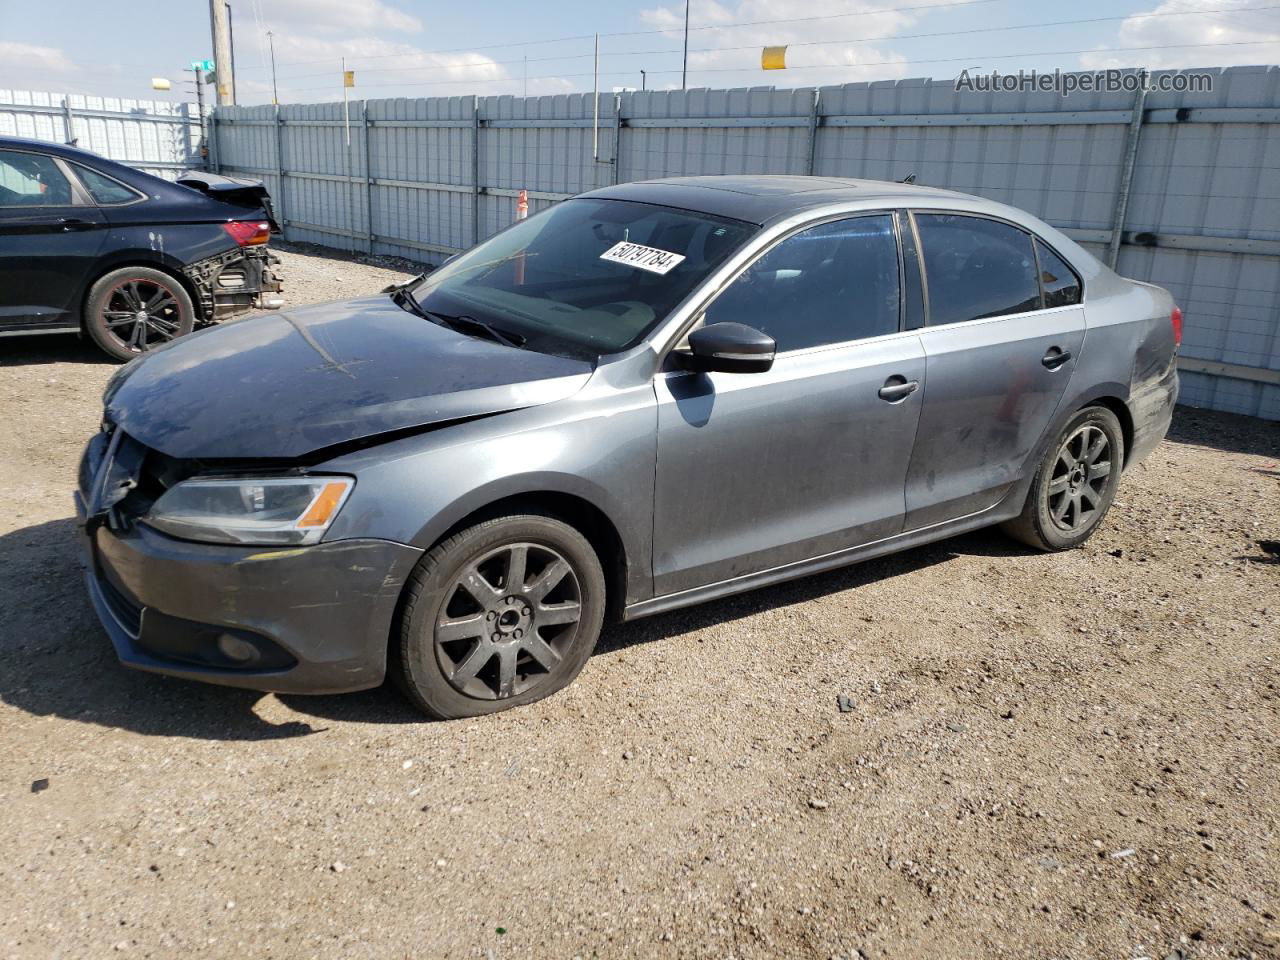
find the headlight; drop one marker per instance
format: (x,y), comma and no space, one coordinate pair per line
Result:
(277,510)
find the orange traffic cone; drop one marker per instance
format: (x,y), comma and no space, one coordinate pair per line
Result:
(522,211)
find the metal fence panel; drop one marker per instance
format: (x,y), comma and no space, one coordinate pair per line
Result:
(156,136)
(1201,212)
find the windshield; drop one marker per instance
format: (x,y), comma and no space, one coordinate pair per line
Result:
(591,276)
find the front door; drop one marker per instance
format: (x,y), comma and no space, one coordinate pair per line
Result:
(50,238)
(997,361)
(760,470)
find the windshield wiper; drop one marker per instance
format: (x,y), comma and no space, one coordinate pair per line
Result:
(405,299)
(473,326)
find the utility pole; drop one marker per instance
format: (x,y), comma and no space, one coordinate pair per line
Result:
(684,68)
(275,95)
(223,68)
(231,39)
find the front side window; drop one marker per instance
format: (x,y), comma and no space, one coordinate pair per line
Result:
(1061,285)
(829,284)
(32,180)
(976,268)
(588,276)
(103,189)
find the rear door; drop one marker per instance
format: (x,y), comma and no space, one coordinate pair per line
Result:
(50,236)
(759,470)
(998,361)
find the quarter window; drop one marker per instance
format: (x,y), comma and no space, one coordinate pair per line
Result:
(828,284)
(1061,285)
(976,268)
(103,189)
(32,180)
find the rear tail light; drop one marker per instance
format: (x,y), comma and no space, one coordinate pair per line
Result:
(247,233)
(1175,319)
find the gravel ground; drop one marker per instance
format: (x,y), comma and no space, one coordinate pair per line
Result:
(1046,756)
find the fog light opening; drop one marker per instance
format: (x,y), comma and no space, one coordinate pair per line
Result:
(237,650)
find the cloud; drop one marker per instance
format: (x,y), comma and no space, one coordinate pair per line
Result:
(366,16)
(1235,26)
(309,69)
(28,56)
(738,48)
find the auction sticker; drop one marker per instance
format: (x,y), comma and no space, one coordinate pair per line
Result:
(646,258)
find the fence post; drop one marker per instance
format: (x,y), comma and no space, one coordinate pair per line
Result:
(280,205)
(1126,169)
(813,133)
(475,170)
(68,121)
(213,141)
(368,175)
(617,135)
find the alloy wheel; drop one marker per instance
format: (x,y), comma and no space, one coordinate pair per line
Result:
(507,621)
(141,314)
(1081,472)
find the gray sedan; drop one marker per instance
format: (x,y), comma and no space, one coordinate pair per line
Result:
(643,398)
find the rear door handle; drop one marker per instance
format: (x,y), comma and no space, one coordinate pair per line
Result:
(898,388)
(1055,358)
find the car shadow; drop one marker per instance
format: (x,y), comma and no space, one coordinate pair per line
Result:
(982,543)
(56,661)
(51,348)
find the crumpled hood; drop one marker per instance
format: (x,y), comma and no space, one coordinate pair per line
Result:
(282,385)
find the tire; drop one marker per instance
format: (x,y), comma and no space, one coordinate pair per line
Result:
(470,644)
(1069,497)
(116,305)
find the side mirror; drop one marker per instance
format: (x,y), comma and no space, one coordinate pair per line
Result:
(728,348)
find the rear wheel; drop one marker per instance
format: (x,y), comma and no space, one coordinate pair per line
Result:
(502,614)
(136,309)
(1075,485)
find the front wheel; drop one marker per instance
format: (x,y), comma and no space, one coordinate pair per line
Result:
(502,614)
(136,309)
(1075,485)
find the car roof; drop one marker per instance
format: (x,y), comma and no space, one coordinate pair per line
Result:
(760,199)
(45,146)
(139,179)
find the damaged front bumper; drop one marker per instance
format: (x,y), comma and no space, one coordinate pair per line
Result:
(305,620)
(235,282)
(312,619)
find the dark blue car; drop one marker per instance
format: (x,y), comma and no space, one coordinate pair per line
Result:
(91,246)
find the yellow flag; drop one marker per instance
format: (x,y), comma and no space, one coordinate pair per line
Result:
(774,58)
(348,78)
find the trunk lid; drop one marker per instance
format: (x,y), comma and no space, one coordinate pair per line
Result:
(237,191)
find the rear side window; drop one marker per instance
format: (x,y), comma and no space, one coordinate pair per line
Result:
(829,284)
(1061,285)
(103,189)
(976,268)
(32,180)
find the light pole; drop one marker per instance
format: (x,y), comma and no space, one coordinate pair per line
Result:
(684,68)
(275,94)
(642,80)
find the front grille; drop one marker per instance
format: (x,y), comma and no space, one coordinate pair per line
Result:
(127,611)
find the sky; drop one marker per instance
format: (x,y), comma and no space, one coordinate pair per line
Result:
(416,48)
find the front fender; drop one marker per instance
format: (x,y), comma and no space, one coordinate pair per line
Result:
(599,449)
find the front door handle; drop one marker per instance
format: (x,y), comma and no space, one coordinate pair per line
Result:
(898,388)
(74,223)
(1055,358)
